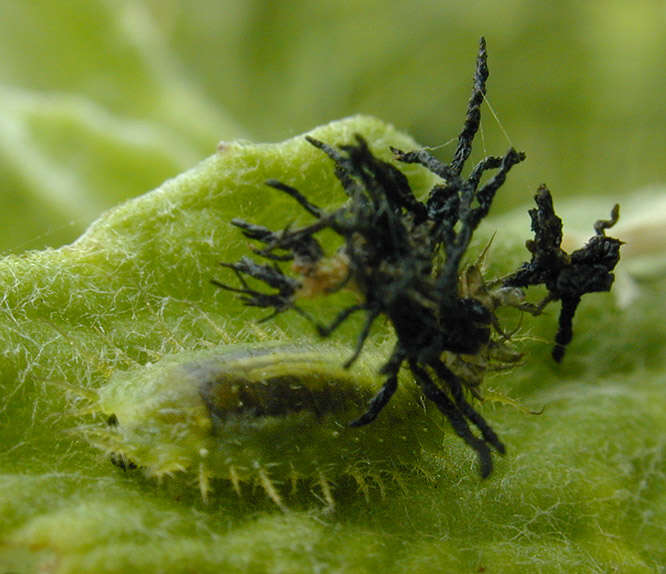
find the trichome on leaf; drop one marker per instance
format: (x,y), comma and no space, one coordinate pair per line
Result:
(403,256)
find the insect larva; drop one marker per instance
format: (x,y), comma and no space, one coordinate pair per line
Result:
(269,416)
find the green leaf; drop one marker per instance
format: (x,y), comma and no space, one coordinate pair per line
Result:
(580,489)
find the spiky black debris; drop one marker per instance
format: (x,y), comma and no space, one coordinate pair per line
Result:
(567,277)
(391,245)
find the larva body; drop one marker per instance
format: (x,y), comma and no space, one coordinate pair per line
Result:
(272,416)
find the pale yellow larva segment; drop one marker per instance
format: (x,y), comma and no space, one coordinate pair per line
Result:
(267,416)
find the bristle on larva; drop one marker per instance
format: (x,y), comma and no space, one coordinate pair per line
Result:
(269,416)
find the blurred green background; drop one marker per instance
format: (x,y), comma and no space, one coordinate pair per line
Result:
(101,101)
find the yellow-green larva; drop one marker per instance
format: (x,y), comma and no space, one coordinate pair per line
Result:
(269,416)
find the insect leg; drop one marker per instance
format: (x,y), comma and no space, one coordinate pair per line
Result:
(311,208)
(378,402)
(473,116)
(326,330)
(455,417)
(565,329)
(466,409)
(424,158)
(603,224)
(381,399)
(363,335)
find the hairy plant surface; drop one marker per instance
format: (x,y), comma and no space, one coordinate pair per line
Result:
(581,487)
